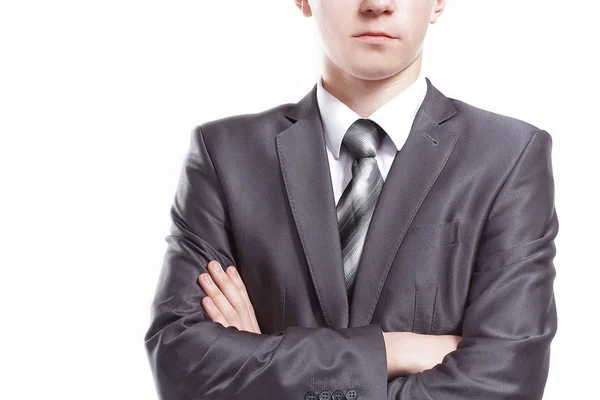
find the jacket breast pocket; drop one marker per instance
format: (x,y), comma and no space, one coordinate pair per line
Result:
(430,236)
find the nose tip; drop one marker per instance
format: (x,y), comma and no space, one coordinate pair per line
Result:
(377,6)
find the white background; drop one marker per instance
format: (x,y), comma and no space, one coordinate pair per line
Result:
(97,103)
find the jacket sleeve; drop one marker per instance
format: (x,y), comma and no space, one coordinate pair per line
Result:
(510,316)
(192,357)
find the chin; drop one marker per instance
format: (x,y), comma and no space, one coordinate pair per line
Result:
(373,71)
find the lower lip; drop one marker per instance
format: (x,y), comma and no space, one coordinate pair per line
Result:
(374,39)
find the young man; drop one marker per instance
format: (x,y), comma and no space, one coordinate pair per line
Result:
(391,243)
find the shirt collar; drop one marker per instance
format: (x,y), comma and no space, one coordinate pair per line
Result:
(395,117)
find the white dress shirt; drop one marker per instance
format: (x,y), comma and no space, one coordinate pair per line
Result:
(395,117)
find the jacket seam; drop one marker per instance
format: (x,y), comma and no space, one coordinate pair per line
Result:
(226,201)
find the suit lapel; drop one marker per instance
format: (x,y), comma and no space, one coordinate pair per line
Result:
(305,170)
(412,173)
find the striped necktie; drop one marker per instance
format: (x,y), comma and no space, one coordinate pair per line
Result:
(357,203)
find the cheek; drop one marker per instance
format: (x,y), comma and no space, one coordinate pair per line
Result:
(333,21)
(334,33)
(414,31)
(415,19)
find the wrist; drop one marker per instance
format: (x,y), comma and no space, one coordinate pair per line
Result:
(400,351)
(405,358)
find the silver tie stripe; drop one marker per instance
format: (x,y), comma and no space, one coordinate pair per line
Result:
(357,203)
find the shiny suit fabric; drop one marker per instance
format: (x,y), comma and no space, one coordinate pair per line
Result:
(461,242)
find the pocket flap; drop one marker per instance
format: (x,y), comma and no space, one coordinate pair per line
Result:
(426,236)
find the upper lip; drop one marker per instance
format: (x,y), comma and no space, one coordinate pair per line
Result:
(375,33)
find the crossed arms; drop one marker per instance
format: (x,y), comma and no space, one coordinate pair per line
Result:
(227,303)
(509,321)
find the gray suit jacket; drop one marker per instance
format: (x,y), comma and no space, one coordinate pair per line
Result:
(461,242)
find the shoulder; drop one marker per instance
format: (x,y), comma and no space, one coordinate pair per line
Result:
(247,126)
(493,131)
(495,142)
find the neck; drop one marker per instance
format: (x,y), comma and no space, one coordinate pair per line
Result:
(365,96)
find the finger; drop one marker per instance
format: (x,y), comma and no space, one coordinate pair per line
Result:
(219,299)
(237,281)
(231,292)
(213,312)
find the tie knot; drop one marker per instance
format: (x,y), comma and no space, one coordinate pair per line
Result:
(363,138)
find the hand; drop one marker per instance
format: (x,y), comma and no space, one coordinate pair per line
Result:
(227,301)
(410,353)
